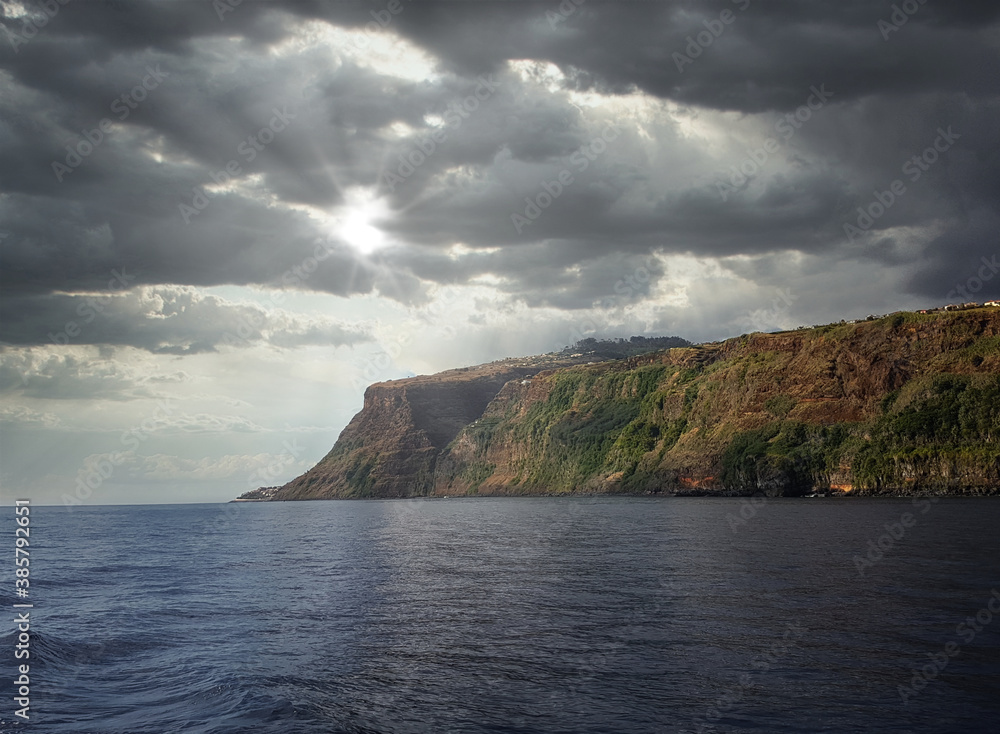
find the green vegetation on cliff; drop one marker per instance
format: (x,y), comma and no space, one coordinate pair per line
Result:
(942,436)
(909,402)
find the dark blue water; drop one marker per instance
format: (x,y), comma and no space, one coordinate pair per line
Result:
(508,615)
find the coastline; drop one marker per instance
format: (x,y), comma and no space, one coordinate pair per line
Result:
(689,494)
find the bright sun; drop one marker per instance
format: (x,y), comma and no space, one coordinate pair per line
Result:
(357,220)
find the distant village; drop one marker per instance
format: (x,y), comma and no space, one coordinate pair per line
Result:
(961,307)
(261,494)
(939,309)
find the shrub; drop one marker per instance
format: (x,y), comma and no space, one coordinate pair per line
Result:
(780,405)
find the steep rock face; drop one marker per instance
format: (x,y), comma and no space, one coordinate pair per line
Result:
(907,402)
(390,448)
(874,407)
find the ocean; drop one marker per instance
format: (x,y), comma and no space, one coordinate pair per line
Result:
(584,615)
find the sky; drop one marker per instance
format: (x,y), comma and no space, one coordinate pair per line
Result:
(221,220)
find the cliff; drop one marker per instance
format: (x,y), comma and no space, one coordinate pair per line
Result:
(391,447)
(909,402)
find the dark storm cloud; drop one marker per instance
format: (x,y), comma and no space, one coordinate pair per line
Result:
(963,264)
(527,273)
(166,320)
(761,59)
(213,80)
(894,87)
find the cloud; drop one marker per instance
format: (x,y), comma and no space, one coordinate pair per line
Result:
(78,374)
(358,112)
(207,423)
(24,417)
(165,319)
